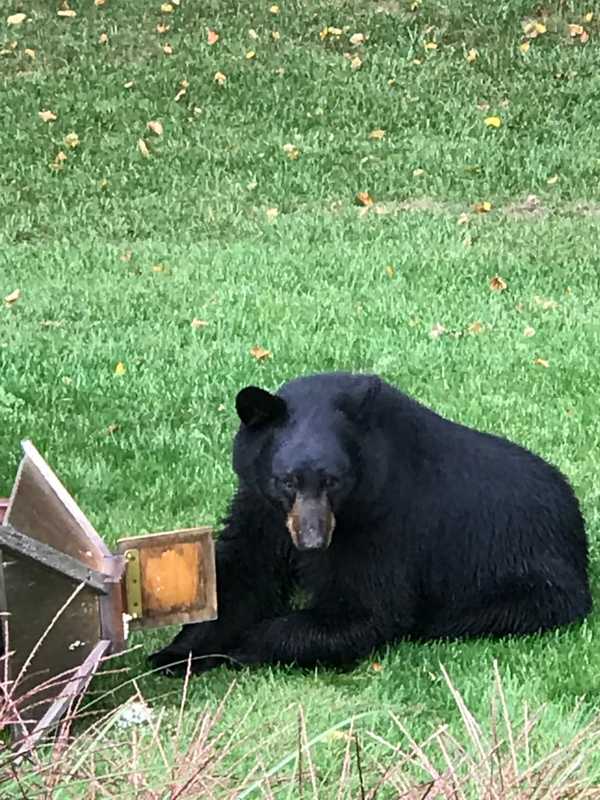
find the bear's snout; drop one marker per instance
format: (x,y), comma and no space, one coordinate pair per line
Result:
(311,522)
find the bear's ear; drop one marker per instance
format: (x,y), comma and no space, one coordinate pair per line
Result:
(357,403)
(256,406)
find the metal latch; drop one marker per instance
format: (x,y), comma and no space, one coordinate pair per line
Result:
(133,583)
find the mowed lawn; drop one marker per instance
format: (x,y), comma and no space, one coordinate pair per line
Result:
(147,273)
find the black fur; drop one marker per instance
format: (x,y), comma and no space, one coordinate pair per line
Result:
(440,531)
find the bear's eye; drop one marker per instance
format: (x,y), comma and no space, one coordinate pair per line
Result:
(331,482)
(288,482)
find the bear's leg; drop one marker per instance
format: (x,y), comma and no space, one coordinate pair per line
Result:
(307,638)
(522,606)
(245,594)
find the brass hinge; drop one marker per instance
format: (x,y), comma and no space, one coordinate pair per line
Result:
(133,583)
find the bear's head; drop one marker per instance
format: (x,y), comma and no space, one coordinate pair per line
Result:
(305,451)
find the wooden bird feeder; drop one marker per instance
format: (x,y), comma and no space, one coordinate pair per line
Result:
(69,601)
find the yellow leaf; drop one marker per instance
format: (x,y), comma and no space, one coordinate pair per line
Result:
(551,181)
(291,151)
(524,47)
(67,12)
(493,122)
(377,134)
(58,162)
(212,37)
(529,331)
(390,272)
(220,78)
(430,46)
(576,30)
(540,27)
(72,140)
(364,199)
(103,39)
(158,268)
(167,49)
(143,148)
(199,323)
(250,55)
(541,362)
(471,55)
(167,8)
(272,214)
(275,35)
(417,173)
(356,63)
(482,208)
(498,284)
(357,38)
(120,369)
(16,19)
(274,9)
(155,126)
(463,219)
(12,297)
(129,84)
(589,16)
(99,2)
(47,116)
(259,353)
(30,53)
(476,327)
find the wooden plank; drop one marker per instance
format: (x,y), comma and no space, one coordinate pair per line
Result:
(75,685)
(177,576)
(41,507)
(3,507)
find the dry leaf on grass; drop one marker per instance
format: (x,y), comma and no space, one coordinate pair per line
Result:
(143,148)
(356,63)
(183,87)
(259,353)
(212,37)
(67,12)
(162,27)
(552,180)
(167,8)
(291,151)
(59,161)
(476,327)
(430,46)
(198,323)
(250,55)
(30,53)
(167,49)
(437,331)
(483,207)
(220,78)
(418,173)
(47,116)
(364,199)
(272,214)
(16,19)
(541,362)
(155,126)
(103,38)
(390,272)
(72,140)
(524,47)
(463,219)
(472,55)
(493,122)
(120,369)
(498,284)
(12,298)
(377,134)
(274,9)
(253,34)
(357,38)
(529,331)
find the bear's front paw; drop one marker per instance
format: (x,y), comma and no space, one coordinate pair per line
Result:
(174,663)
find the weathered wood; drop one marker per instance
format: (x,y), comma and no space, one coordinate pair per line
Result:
(177,577)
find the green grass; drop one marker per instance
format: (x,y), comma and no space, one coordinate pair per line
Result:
(311,285)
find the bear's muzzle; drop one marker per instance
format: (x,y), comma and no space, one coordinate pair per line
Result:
(311,522)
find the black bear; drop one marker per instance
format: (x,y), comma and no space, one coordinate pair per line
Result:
(391,520)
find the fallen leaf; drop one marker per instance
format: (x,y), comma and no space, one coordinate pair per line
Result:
(551,181)
(541,362)
(524,47)
(275,35)
(259,353)
(103,38)
(155,126)
(357,38)
(533,29)
(59,161)
(167,49)
(390,272)
(120,369)
(356,63)
(430,46)
(274,9)
(251,54)
(162,27)
(143,148)
(417,173)
(29,53)
(67,12)
(183,87)
(16,19)
(220,78)
(493,122)
(377,135)
(159,268)
(113,428)
(126,256)
(104,183)
(376,666)
(437,331)
(272,214)
(252,34)
(167,8)
(99,2)
(463,219)
(476,327)
(72,140)
(471,55)
(576,30)
(47,116)
(589,16)
(51,323)
(498,284)
(546,303)
(221,407)
(584,37)
(212,37)
(291,151)
(529,331)
(417,61)
(482,208)
(12,298)
(364,199)
(198,323)
(129,84)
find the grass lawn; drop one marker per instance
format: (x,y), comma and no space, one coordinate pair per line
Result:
(116,247)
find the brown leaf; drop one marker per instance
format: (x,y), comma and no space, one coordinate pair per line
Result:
(541,362)
(253,34)
(47,116)
(364,199)
(377,135)
(291,151)
(376,666)
(357,38)
(12,298)
(59,161)
(198,323)
(498,284)
(143,148)
(72,140)
(212,37)
(220,78)
(476,327)
(482,208)
(274,9)
(129,84)
(155,126)
(113,428)
(259,353)
(356,63)
(120,369)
